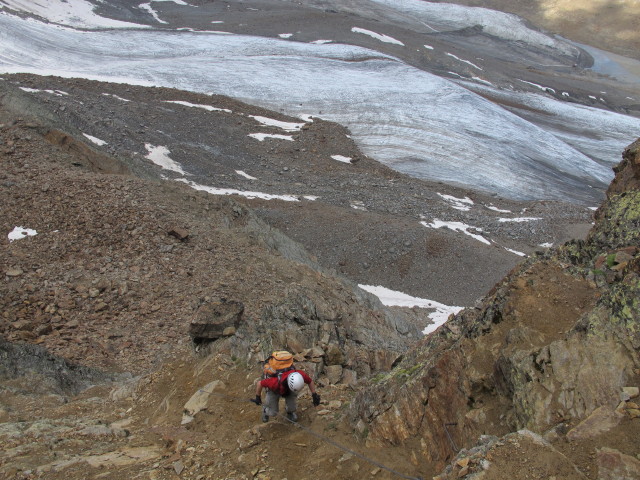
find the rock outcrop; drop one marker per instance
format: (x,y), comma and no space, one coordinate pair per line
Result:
(556,340)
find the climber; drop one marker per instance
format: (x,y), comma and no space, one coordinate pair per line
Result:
(287,385)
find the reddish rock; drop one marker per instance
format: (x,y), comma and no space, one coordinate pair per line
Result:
(614,465)
(600,421)
(179,233)
(627,171)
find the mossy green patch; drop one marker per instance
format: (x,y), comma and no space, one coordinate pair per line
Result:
(626,206)
(378,378)
(406,372)
(622,307)
(620,225)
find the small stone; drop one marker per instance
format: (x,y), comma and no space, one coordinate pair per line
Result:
(613,465)
(334,355)
(315,352)
(349,377)
(295,346)
(45,329)
(179,233)
(463,472)
(100,306)
(229,331)
(22,325)
(463,462)
(178,467)
(200,399)
(25,336)
(72,324)
(346,457)
(13,272)
(103,284)
(630,392)
(249,438)
(334,373)
(633,412)
(623,257)
(601,420)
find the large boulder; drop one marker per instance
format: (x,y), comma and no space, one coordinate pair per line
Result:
(216,319)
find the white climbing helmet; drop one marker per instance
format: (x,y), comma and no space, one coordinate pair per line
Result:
(295,382)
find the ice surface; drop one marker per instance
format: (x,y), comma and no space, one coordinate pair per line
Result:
(442,17)
(72,13)
(160,156)
(243,193)
(431,128)
(394,298)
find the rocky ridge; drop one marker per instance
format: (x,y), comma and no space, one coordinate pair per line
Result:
(552,353)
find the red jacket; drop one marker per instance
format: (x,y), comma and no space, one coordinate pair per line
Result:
(281,387)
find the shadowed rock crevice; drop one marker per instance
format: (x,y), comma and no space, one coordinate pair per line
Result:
(40,372)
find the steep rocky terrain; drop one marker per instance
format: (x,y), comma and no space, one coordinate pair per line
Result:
(100,378)
(552,354)
(364,221)
(110,268)
(100,291)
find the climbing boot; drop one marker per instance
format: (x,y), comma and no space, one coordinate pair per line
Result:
(292,416)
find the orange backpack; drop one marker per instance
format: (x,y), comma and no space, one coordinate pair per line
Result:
(278,363)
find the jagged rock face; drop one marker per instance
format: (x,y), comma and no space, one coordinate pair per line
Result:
(346,330)
(554,341)
(627,172)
